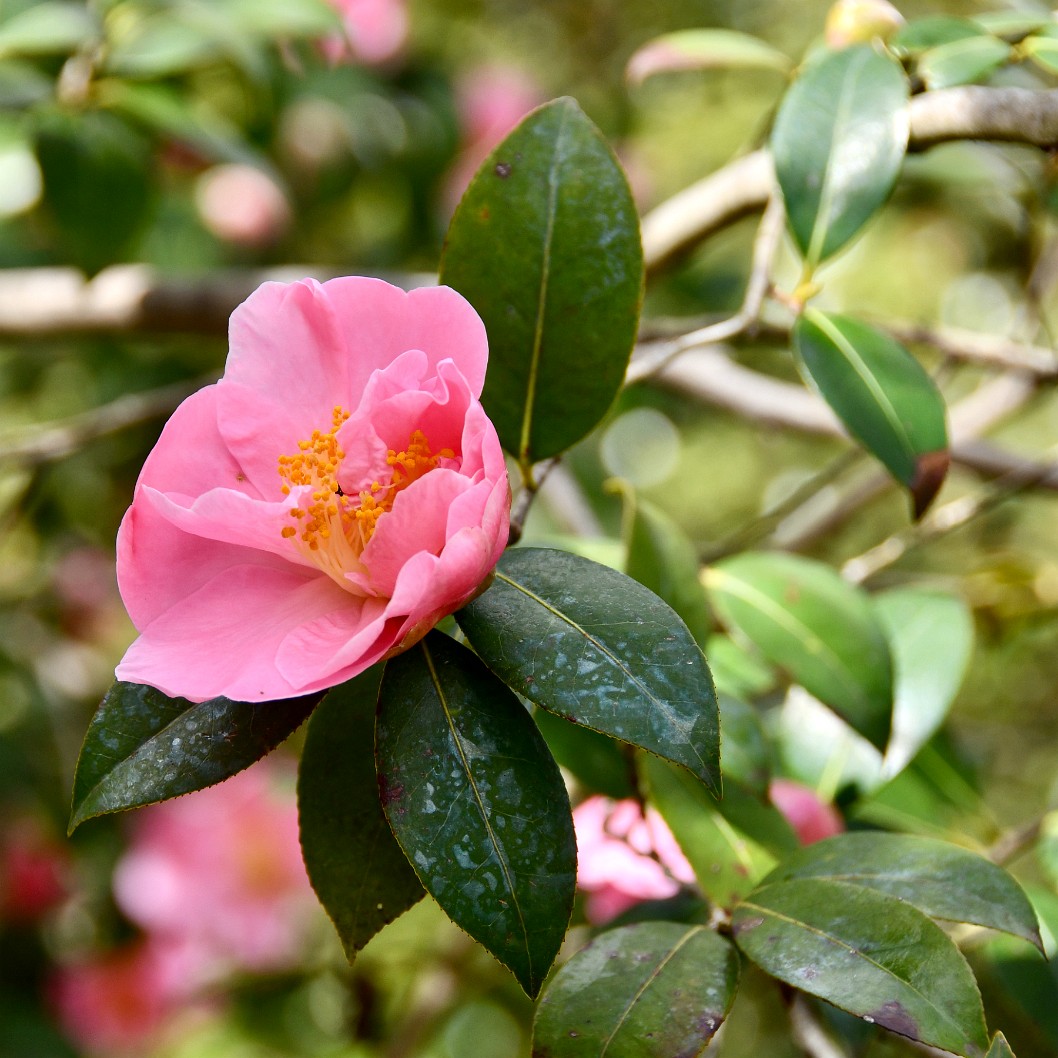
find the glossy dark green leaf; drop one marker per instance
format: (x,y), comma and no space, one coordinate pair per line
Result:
(601,764)
(545,245)
(142,746)
(477,803)
(868,953)
(662,558)
(54,27)
(932,32)
(821,630)
(1000,1048)
(356,867)
(97,172)
(931,637)
(732,843)
(942,880)
(651,990)
(599,649)
(883,396)
(704,49)
(838,143)
(962,61)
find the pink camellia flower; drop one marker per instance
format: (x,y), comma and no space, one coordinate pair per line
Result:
(322,506)
(811,818)
(218,876)
(122,1001)
(625,857)
(375,31)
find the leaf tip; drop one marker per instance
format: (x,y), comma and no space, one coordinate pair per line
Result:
(930,471)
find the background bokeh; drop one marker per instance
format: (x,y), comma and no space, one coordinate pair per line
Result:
(204,139)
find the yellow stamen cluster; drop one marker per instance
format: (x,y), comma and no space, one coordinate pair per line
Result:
(334,526)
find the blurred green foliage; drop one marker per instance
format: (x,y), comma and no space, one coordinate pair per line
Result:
(116,119)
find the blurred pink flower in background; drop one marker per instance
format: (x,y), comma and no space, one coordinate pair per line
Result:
(242,205)
(375,31)
(325,504)
(34,870)
(624,857)
(122,1001)
(218,875)
(490,101)
(811,818)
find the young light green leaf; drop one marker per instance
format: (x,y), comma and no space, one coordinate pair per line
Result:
(545,245)
(599,649)
(838,143)
(650,990)
(55,27)
(731,843)
(477,803)
(962,61)
(932,32)
(737,667)
(1000,1048)
(280,18)
(142,746)
(356,867)
(703,49)
(662,558)
(868,953)
(942,880)
(931,638)
(1042,49)
(882,395)
(821,630)
(1010,25)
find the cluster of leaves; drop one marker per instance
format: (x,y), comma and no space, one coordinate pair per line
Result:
(116,102)
(430,774)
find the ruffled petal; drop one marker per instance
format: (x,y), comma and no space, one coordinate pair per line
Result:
(225,638)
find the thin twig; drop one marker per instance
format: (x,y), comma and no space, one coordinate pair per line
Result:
(50,441)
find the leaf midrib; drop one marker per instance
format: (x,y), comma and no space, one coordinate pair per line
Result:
(667,710)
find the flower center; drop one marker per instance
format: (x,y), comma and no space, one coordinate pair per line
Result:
(337,527)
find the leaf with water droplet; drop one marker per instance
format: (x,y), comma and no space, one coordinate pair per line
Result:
(142,746)
(650,990)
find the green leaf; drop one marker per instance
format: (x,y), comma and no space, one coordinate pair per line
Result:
(867,953)
(737,668)
(601,650)
(601,764)
(933,32)
(1042,50)
(97,183)
(54,27)
(281,18)
(1010,25)
(477,803)
(883,396)
(821,630)
(545,245)
(732,843)
(162,47)
(942,880)
(22,84)
(651,990)
(356,867)
(142,746)
(662,558)
(1000,1048)
(704,49)
(747,757)
(962,61)
(838,143)
(931,637)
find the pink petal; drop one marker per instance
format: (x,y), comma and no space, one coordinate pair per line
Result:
(224,638)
